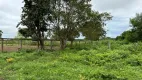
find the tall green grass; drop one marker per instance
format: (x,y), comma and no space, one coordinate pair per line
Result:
(91,61)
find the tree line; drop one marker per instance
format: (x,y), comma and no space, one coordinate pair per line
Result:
(61,20)
(135,33)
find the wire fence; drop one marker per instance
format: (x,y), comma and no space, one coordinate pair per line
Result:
(12,44)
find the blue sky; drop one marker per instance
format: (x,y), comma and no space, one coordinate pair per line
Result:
(121,10)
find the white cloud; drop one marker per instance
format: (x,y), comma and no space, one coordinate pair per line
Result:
(10,12)
(121,10)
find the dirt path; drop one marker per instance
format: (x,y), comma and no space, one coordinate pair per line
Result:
(16,48)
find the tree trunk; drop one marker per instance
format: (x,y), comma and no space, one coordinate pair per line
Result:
(41,41)
(39,33)
(41,44)
(71,44)
(62,44)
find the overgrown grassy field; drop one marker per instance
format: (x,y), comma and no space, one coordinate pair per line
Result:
(92,61)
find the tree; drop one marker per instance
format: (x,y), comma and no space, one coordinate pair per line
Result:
(136,24)
(1,33)
(119,38)
(60,18)
(70,14)
(25,32)
(93,29)
(36,16)
(134,34)
(122,36)
(128,36)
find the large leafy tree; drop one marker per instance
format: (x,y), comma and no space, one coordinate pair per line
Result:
(36,16)
(70,14)
(1,33)
(136,24)
(93,29)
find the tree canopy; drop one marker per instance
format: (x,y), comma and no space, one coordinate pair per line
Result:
(36,16)
(134,34)
(93,29)
(25,32)
(61,19)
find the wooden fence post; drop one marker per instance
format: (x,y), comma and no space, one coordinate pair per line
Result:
(92,42)
(84,43)
(21,44)
(2,44)
(75,43)
(51,45)
(109,45)
(38,45)
(6,41)
(136,45)
(79,43)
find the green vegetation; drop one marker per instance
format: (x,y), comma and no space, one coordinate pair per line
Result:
(134,34)
(1,33)
(82,62)
(63,21)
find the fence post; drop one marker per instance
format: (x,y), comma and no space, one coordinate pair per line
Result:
(76,43)
(51,45)
(136,45)
(21,44)
(18,42)
(2,44)
(38,45)
(109,45)
(79,43)
(84,43)
(92,42)
(6,41)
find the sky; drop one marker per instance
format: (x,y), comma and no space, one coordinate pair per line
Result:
(121,10)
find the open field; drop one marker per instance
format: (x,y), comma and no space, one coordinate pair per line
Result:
(70,40)
(90,62)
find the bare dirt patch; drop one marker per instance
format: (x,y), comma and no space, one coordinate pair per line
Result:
(15,48)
